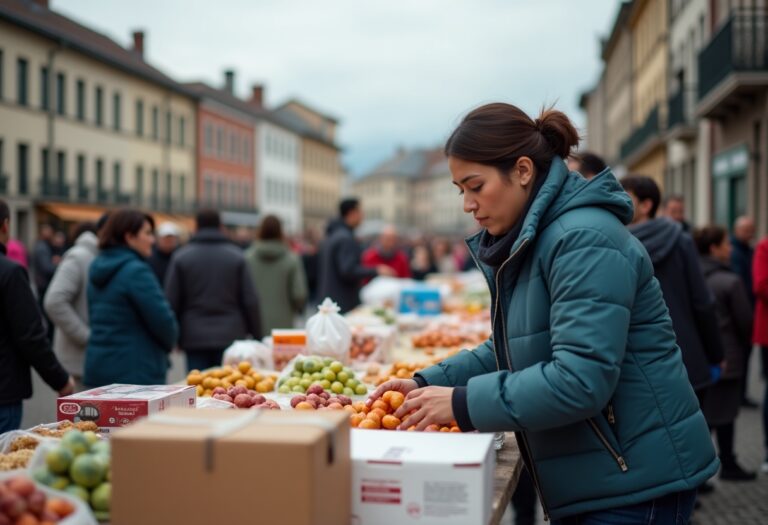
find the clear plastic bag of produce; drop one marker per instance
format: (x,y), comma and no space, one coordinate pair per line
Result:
(82,514)
(252,351)
(328,333)
(371,344)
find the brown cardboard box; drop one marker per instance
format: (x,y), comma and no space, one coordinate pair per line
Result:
(218,467)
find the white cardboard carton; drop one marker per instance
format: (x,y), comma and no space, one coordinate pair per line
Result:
(421,478)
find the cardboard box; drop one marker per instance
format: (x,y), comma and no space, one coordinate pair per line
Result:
(287,344)
(211,467)
(422,301)
(115,406)
(421,477)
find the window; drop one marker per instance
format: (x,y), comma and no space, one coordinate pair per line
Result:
(99,106)
(22,170)
(220,141)
(155,187)
(140,118)
(208,138)
(80,100)
(100,196)
(44,89)
(182,189)
(62,189)
(45,164)
(208,189)
(139,185)
(167,127)
(220,193)
(82,189)
(155,123)
(168,188)
(61,96)
(116,180)
(234,147)
(246,150)
(21,82)
(116,101)
(182,125)
(2,76)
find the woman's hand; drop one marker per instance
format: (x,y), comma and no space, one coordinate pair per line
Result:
(432,405)
(398,385)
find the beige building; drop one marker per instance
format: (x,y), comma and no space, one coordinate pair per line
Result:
(321,175)
(644,151)
(593,104)
(86,124)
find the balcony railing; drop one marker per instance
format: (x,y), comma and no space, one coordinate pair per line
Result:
(54,190)
(741,45)
(676,109)
(640,135)
(4,184)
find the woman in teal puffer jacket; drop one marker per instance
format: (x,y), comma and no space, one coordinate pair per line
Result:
(133,328)
(582,363)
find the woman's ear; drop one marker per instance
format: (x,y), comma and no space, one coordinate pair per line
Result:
(524,167)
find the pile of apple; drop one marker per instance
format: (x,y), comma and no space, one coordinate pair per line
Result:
(22,503)
(228,376)
(331,375)
(241,397)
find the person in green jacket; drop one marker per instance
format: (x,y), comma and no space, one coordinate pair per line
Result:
(582,363)
(278,275)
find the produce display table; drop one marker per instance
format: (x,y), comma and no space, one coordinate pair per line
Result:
(508,468)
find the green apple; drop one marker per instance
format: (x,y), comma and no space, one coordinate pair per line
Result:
(336,366)
(337,387)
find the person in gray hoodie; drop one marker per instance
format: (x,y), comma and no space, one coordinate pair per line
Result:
(66,301)
(676,266)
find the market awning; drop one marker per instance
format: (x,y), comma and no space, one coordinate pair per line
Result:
(74,212)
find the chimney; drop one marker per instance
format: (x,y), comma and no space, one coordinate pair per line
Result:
(42,3)
(138,43)
(257,95)
(229,81)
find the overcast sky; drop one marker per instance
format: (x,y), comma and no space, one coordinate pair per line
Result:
(394,72)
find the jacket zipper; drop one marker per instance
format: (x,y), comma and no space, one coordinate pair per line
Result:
(611,415)
(532,465)
(616,456)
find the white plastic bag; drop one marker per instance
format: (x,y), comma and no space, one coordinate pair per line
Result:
(328,333)
(383,292)
(255,352)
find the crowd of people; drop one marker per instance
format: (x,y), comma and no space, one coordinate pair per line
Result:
(586,333)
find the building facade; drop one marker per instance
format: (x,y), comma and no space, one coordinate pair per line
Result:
(279,173)
(86,124)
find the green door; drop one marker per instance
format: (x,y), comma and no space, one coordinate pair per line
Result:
(729,184)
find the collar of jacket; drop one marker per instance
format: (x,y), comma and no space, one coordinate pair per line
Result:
(210,235)
(89,241)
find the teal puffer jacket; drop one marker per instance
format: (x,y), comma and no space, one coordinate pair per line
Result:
(583,362)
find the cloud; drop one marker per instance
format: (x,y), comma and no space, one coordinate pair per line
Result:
(397,72)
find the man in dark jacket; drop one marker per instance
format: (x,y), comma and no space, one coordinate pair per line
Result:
(23,342)
(341,272)
(742,255)
(676,266)
(211,291)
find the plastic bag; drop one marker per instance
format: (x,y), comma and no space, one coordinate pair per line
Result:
(372,343)
(328,333)
(82,514)
(255,352)
(383,292)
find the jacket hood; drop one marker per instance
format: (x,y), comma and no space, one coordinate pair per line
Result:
(564,191)
(659,236)
(710,265)
(104,267)
(270,250)
(89,241)
(334,224)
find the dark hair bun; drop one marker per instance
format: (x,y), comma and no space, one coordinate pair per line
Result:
(558,131)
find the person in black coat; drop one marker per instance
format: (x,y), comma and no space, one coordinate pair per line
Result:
(676,266)
(210,289)
(734,313)
(23,341)
(340,272)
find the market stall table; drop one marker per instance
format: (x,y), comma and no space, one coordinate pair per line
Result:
(508,468)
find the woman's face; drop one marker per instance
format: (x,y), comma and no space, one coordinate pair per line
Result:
(496,201)
(143,240)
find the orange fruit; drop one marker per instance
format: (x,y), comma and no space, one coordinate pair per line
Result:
(263,387)
(355,419)
(194,379)
(350,409)
(445,429)
(381,413)
(359,406)
(243,366)
(387,395)
(373,416)
(455,429)
(304,406)
(390,422)
(369,424)
(200,390)
(383,405)
(396,399)
(432,428)
(235,375)
(403,374)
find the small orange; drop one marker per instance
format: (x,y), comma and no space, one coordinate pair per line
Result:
(379,403)
(390,422)
(304,406)
(243,366)
(369,424)
(355,419)
(455,429)
(432,428)
(381,413)
(350,409)
(359,406)
(236,375)
(396,400)
(373,416)
(387,395)
(403,374)
(445,429)
(249,382)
